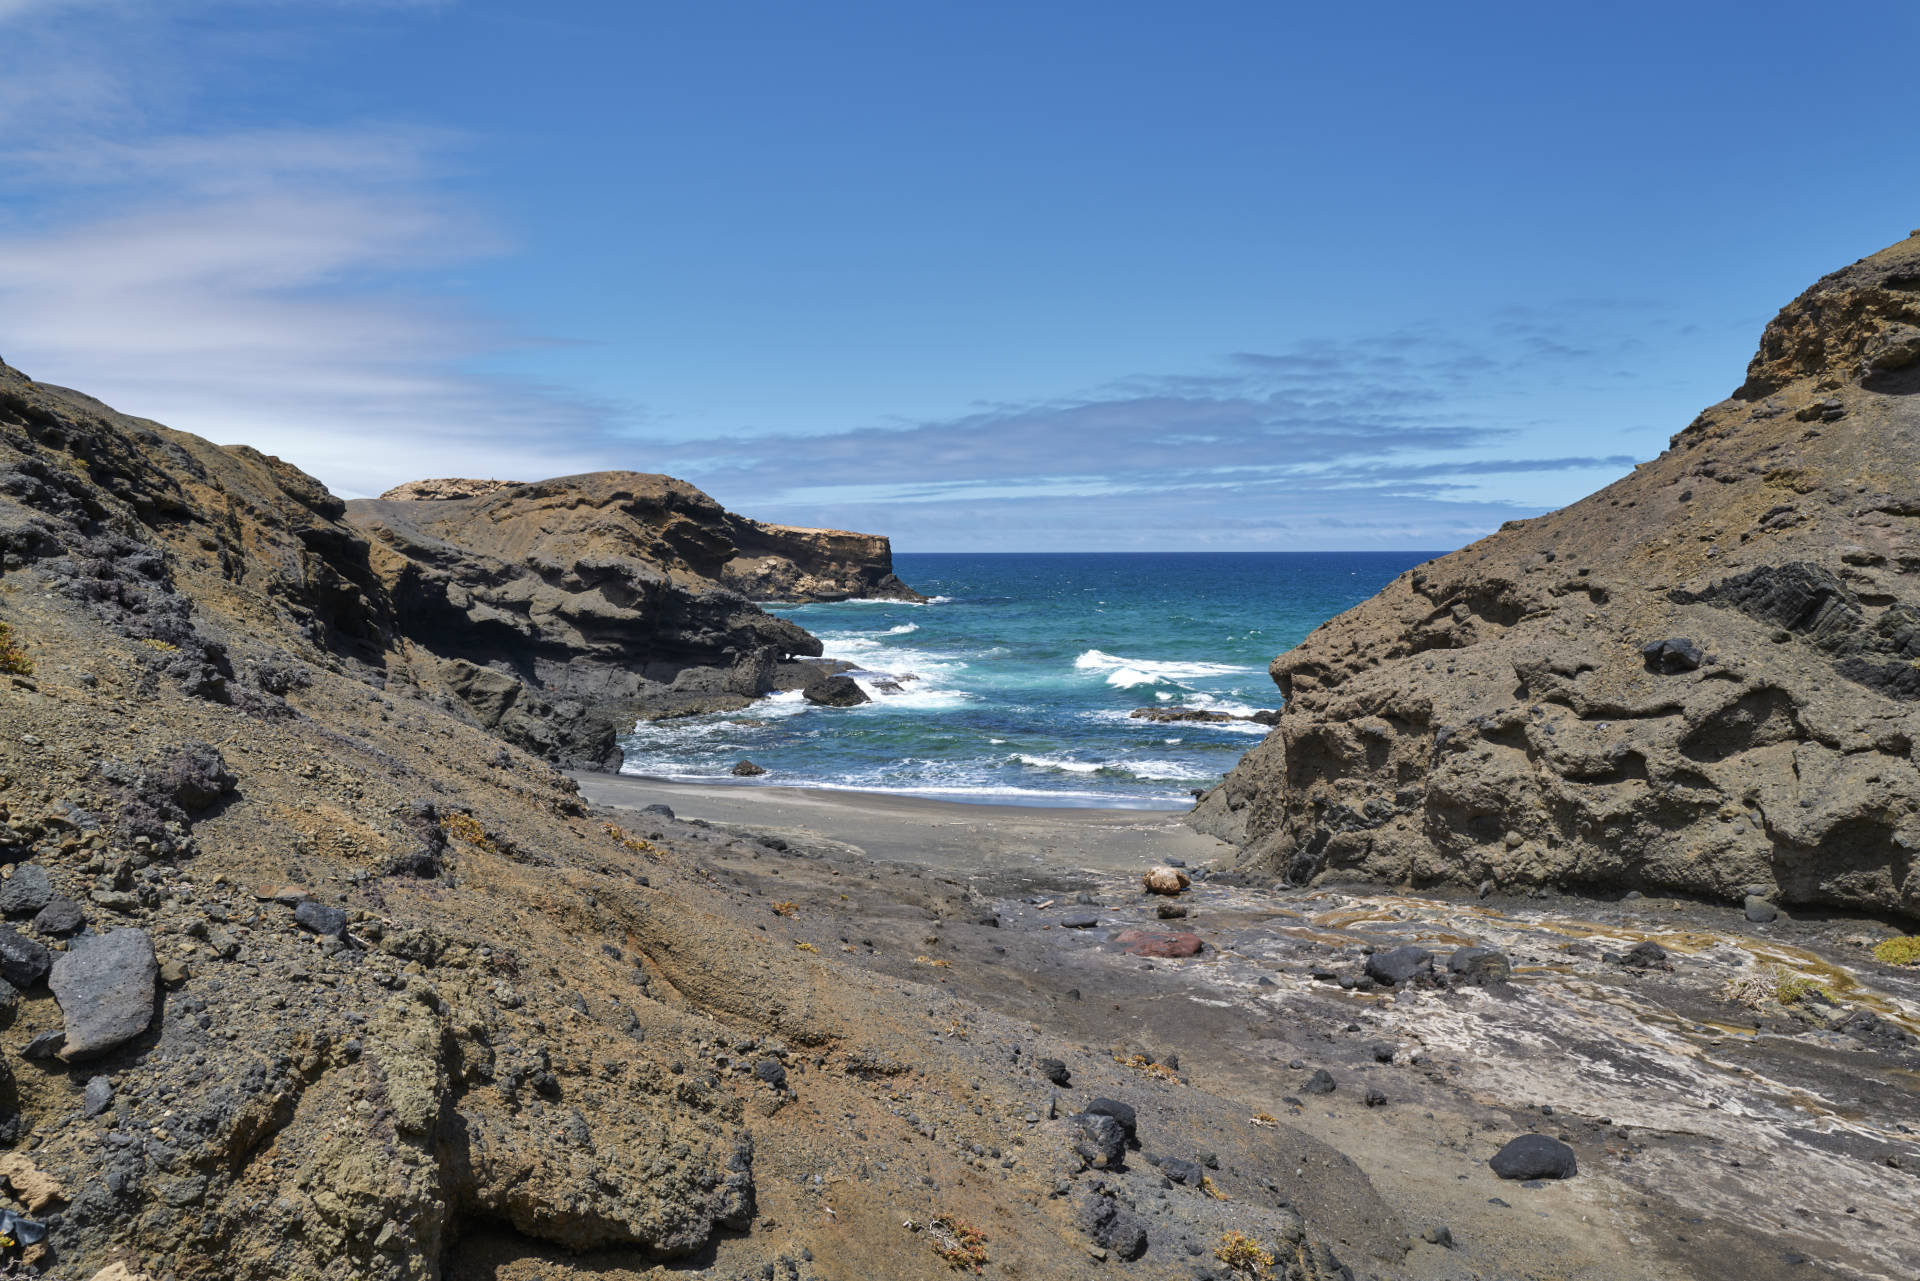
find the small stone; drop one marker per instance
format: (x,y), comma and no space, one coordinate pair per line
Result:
(1321,1082)
(59,918)
(1184,1172)
(1438,1234)
(1534,1156)
(772,1072)
(1647,956)
(98,1097)
(1759,911)
(1149,943)
(44,1046)
(321,918)
(1079,921)
(1056,1071)
(26,891)
(23,962)
(1376,1098)
(1170,911)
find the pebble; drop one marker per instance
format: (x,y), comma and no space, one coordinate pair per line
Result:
(98,1096)
(321,918)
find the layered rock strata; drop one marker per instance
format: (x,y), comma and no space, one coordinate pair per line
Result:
(1700,679)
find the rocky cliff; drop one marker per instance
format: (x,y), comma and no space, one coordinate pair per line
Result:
(1701,679)
(557,611)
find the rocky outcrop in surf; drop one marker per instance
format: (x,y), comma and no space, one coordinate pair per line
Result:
(1701,679)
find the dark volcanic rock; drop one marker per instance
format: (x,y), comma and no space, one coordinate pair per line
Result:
(835,691)
(1054,1070)
(1099,1140)
(106,990)
(23,962)
(320,918)
(1479,965)
(26,891)
(1534,1156)
(1121,1112)
(1321,1082)
(1647,956)
(1110,1225)
(1400,965)
(59,917)
(747,769)
(1687,682)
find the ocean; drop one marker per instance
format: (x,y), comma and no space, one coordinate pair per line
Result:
(1014,683)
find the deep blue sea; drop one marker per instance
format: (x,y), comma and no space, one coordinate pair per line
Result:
(1015,681)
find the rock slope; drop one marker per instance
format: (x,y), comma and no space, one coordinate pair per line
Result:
(1701,679)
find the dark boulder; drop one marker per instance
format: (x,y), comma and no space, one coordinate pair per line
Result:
(106,987)
(60,917)
(26,891)
(1110,1225)
(1401,965)
(1321,1082)
(1647,956)
(23,962)
(1671,656)
(747,769)
(1056,1071)
(1534,1156)
(320,918)
(1099,1140)
(1121,1112)
(1479,965)
(835,691)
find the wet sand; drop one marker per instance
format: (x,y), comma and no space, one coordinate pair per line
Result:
(929,832)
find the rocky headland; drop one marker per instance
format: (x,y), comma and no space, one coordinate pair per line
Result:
(555,611)
(1703,679)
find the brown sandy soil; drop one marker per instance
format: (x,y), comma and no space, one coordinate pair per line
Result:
(1714,1139)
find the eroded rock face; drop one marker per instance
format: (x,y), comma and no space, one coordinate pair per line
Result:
(1700,679)
(563,609)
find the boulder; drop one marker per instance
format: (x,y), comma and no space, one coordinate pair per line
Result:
(1099,1140)
(747,769)
(106,987)
(1400,965)
(1479,965)
(1760,911)
(1054,1070)
(1110,1225)
(1165,880)
(1121,1112)
(835,691)
(1534,1156)
(320,918)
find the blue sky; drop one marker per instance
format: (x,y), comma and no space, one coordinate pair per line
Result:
(983,276)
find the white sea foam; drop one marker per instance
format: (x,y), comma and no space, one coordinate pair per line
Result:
(1058,762)
(1129,673)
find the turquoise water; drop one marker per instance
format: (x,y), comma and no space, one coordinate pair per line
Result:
(1015,683)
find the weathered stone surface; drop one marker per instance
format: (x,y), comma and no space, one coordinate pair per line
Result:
(1154,943)
(106,987)
(1698,679)
(1479,965)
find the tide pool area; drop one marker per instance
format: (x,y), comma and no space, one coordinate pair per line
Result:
(1016,682)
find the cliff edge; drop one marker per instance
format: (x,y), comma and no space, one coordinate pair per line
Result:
(1704,678)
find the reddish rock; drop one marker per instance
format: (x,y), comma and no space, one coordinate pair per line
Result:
(1149,943)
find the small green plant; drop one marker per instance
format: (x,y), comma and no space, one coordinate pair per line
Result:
(962,1245)
(1771,983)
(1241,1253)
(1900,951)
(14,661)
